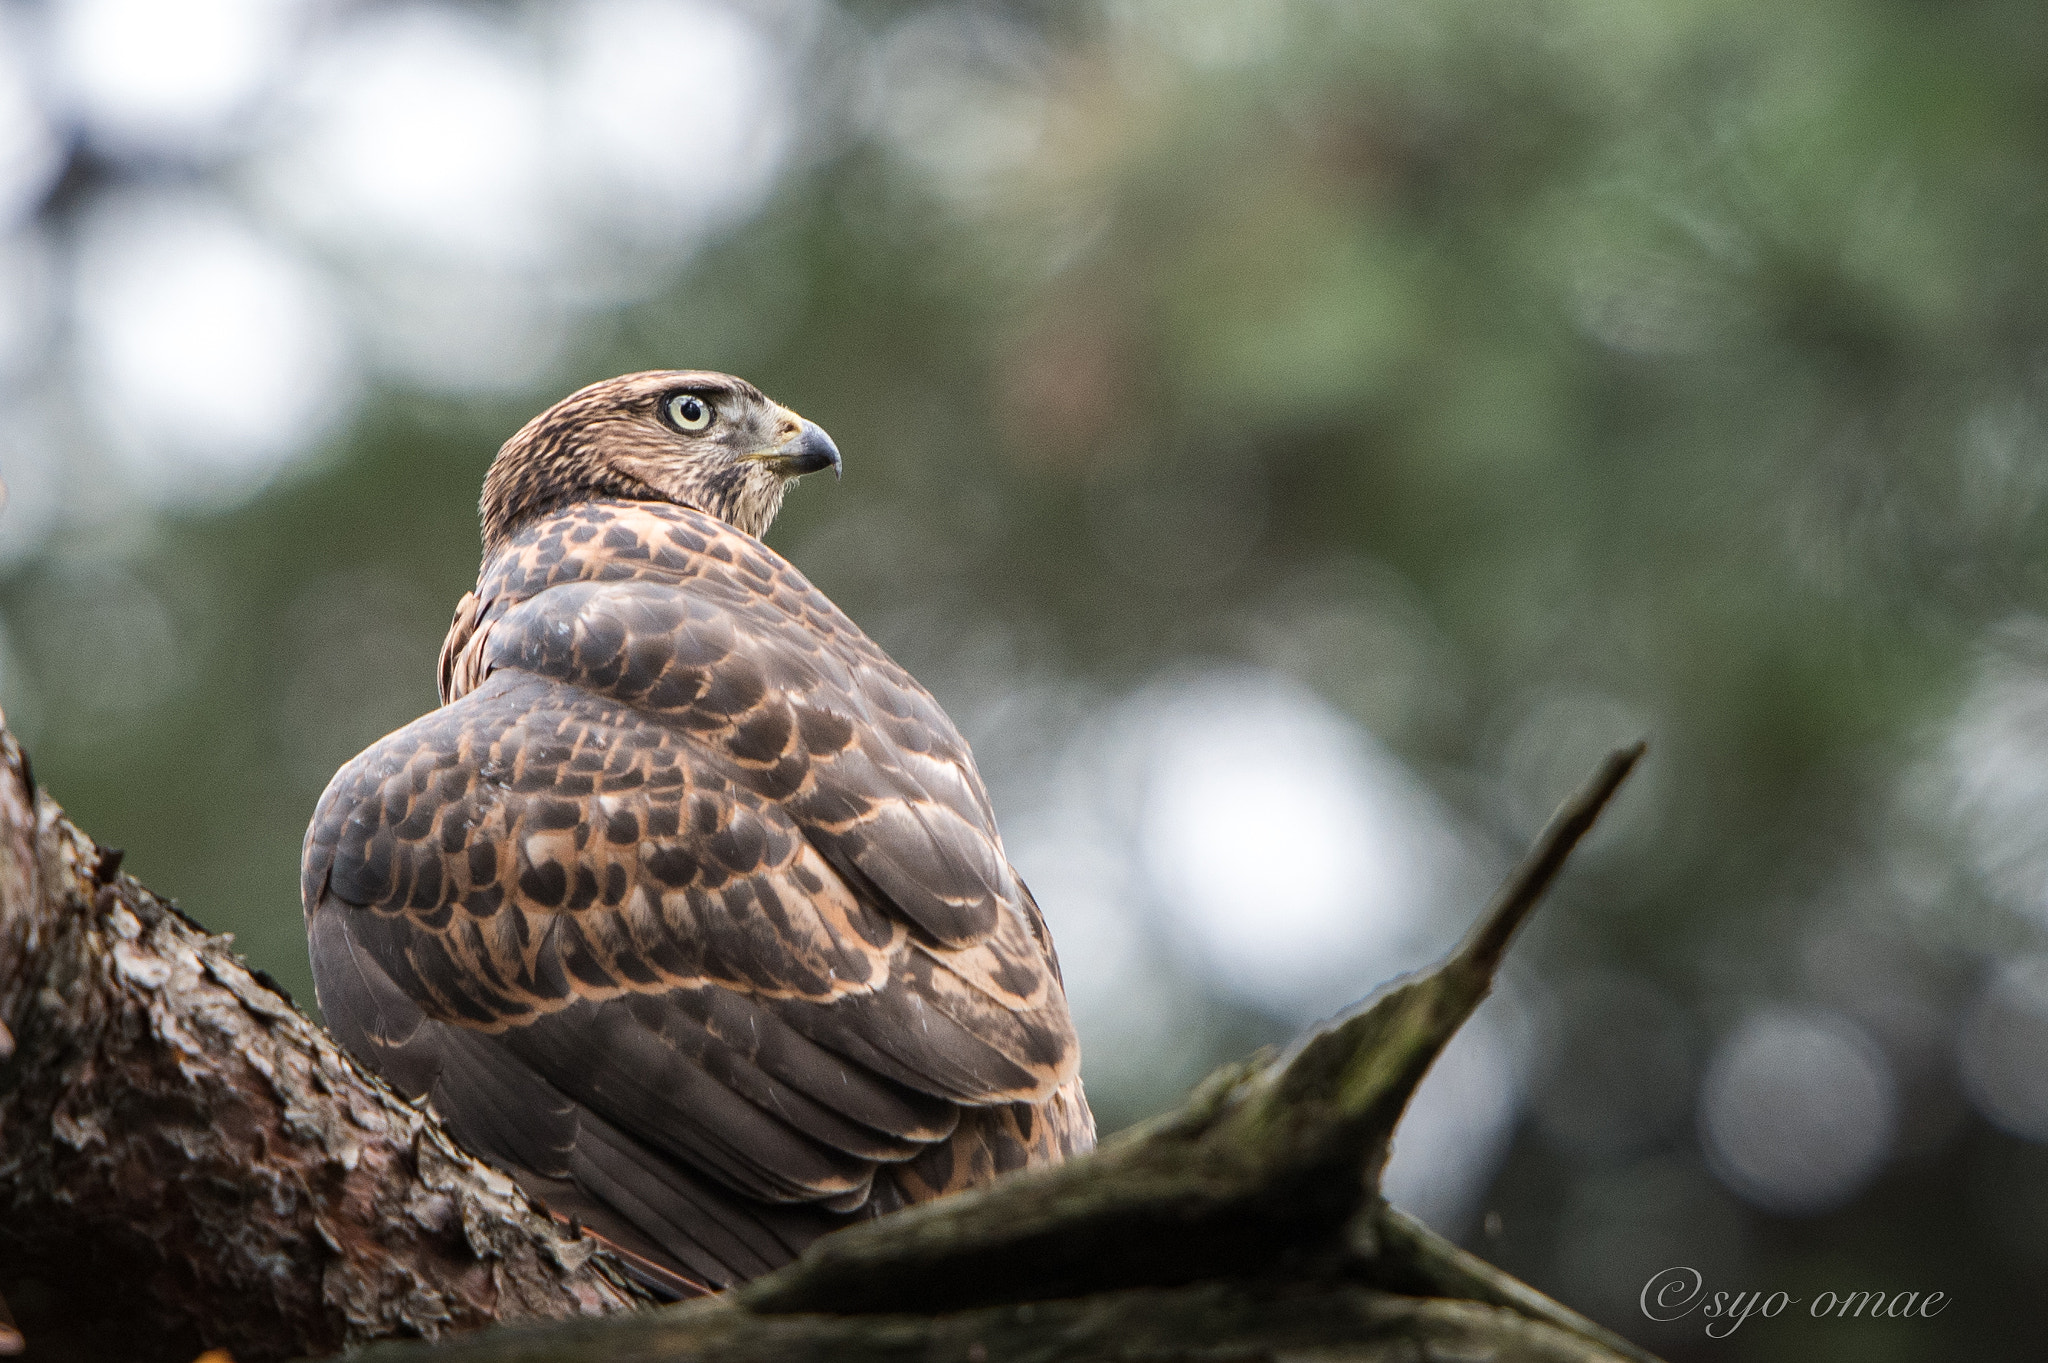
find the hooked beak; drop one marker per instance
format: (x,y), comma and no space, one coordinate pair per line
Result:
(808,451)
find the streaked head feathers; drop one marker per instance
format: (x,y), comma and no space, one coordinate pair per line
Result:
(687,436)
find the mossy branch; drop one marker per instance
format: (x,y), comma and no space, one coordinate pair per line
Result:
(1247,1220)
(187,1160)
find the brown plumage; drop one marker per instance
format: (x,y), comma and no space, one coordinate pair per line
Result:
(687,905)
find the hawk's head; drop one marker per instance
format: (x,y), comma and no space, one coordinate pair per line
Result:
(699,439)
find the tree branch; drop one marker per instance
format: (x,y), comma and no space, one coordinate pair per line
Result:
(186,1160)
(1247,1222)
(184,1153)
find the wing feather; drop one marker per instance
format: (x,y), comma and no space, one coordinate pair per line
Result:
(689,905)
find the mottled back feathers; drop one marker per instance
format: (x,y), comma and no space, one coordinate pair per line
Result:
(688,905)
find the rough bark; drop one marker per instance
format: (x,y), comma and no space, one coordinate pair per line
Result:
(1246,1225)
(1209,1322)
(187,1161)
(183,1152)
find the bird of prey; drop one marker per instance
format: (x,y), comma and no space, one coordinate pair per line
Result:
(687,906)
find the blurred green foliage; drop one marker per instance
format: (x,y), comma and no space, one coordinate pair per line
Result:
(1519,377)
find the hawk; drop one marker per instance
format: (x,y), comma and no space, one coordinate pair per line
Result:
(687,906)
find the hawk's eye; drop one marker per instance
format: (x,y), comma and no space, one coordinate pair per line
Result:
(689,412)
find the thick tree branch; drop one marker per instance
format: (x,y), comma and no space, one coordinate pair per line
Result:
(184,1154)
(1262,1167)
(1246,1224)
(187,1160)
(1205,1322)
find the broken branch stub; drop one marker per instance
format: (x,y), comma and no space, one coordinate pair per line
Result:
(1248,1221)
(1259,1172)
(151,1074)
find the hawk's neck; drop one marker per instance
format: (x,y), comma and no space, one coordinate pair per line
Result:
(612,540)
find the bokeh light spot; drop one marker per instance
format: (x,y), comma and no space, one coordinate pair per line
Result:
(1798,1110)
(2003,1048)
(1302,859)
(150,77)
(212,354)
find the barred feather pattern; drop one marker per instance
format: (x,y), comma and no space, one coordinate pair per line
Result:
(688,906)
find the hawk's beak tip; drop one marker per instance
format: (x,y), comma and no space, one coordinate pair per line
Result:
(810,452)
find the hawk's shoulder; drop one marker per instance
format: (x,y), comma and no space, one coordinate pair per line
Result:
(658,546)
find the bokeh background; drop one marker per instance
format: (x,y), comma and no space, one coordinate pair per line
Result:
(1294,438)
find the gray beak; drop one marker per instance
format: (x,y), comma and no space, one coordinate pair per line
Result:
(811,451)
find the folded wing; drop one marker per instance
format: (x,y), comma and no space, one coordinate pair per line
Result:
(642,957)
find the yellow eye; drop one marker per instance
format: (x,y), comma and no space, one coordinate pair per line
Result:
(689,412)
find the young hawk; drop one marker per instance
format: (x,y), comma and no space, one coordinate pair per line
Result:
(687,905)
